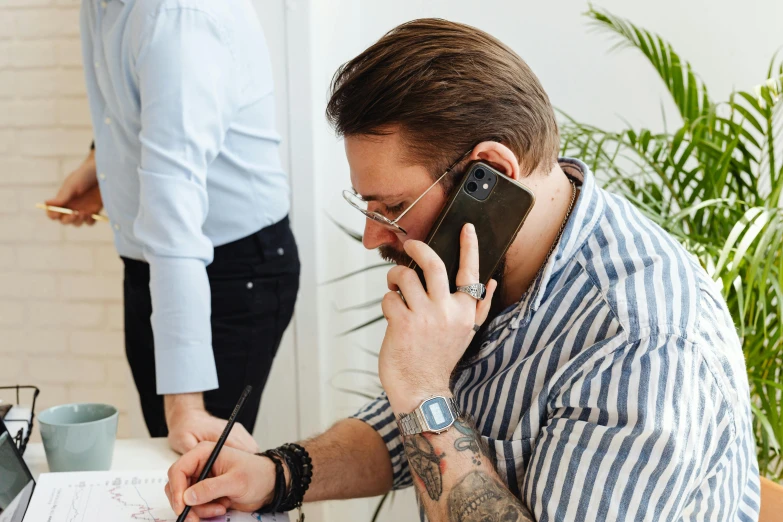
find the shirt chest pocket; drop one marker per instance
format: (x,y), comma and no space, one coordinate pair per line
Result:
(511,459)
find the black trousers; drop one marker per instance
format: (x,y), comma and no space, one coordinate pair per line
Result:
(254,282)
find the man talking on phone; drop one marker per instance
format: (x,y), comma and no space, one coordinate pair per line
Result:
(605,381)
(186,164)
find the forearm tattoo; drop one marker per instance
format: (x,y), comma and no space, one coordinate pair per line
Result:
(470,441)
(477,496)
(426,463)
(480,498)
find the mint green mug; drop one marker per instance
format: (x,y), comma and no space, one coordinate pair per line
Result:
(79,437)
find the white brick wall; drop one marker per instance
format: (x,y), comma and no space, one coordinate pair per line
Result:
(61,315)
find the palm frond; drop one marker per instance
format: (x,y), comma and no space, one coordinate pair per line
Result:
(687,90)
(362,325)
(716,184)
(356,272)
(356,236)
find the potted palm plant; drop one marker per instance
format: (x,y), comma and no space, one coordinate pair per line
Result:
(715,183)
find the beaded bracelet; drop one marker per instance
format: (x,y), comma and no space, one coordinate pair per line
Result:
(280,485)
(290,496)
(301,468)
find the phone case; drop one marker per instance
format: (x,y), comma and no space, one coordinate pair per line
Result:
(497,220)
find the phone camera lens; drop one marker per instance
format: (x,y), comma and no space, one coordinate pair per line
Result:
(479,174)
(472,187)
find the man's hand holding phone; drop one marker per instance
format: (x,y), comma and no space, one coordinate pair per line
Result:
(428,331)
(79,192)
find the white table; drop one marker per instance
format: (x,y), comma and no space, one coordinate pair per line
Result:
(129,455)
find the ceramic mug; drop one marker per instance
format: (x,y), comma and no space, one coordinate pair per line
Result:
(79,437)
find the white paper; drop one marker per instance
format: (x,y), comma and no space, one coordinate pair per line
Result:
(130,496)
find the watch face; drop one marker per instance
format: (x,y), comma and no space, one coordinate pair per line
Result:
(437,414)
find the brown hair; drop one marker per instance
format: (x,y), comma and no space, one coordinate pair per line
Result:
(447,87)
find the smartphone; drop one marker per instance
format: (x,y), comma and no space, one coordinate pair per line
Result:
(495,204)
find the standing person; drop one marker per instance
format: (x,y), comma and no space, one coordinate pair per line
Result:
(186,163)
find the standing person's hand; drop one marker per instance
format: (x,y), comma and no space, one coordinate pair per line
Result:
(238,481)
(189,424)
(78,192)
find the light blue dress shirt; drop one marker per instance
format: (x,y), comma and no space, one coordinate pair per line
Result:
(182,104)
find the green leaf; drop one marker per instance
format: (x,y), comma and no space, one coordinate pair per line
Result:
(377,512)
(768,429)
(357,272)
(363,325)
(351,233)
(688,92)
(361,306)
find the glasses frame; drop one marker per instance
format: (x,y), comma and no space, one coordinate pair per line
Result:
(393,224)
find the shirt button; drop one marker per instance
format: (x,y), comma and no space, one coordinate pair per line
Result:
(117,226)
(249,285)
(97,65)
(102,176)
(280,251)
(107,121)
(103,4)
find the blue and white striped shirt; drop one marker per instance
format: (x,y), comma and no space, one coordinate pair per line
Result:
(615,389)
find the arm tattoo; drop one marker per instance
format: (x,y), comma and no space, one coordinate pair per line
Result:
(470,441)
(426,463)
(479,498)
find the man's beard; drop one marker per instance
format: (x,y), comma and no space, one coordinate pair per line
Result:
(392,255)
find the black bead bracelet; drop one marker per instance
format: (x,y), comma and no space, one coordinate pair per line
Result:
(280,485)
(289,496)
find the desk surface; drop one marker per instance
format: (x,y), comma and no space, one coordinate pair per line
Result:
(129,454)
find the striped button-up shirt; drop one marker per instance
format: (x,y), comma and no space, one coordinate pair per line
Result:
(615,389)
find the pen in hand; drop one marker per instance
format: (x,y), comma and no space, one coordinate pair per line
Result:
(63,210)
(216,451)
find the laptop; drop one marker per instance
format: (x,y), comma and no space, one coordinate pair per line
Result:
(16,481)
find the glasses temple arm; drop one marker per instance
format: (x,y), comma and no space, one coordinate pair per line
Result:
(422,195)
(433,185)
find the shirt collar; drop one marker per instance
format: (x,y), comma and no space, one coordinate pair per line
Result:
(584,218)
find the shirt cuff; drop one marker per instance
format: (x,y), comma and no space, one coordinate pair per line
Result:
(380,417)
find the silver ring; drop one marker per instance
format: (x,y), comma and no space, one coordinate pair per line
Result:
(477,291)
(476,327)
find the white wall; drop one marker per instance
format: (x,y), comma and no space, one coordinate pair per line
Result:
(60,289)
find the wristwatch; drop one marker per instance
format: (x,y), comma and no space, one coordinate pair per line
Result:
(435,415)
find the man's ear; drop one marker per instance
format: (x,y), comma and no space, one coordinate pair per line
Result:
(499,157)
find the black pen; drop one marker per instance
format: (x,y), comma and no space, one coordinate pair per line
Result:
(215,452)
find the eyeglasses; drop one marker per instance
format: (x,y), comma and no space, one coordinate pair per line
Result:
(356,201)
